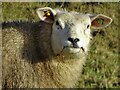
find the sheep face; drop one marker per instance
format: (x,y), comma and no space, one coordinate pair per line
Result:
(71,33)
(71,30)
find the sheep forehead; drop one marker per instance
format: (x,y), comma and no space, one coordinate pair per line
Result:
(73,17)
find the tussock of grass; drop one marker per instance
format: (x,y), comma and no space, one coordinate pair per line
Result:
(101,69)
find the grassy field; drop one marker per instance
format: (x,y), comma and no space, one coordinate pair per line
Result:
(101,69)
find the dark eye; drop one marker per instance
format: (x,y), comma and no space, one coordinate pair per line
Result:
(57,23)
(88,26)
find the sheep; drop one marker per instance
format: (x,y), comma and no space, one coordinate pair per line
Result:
(49,53)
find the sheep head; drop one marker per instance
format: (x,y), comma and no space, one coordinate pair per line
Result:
(71,30)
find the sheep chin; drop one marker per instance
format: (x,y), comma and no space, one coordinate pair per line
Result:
(74,54)
(71,50)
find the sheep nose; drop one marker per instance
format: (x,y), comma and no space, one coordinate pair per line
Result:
(74,41)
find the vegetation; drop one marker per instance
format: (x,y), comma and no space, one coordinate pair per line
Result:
(101,68)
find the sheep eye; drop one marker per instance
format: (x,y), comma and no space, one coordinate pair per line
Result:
(88,26)
(57,23)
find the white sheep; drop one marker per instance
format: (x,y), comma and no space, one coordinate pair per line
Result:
(50,53)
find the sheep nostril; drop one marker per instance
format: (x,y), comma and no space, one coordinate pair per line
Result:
(70,39)
(76,40)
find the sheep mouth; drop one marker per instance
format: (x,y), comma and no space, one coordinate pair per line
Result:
(72,49)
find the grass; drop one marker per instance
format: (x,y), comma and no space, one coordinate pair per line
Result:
(101,69)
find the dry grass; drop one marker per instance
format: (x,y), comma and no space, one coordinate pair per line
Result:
(101,69)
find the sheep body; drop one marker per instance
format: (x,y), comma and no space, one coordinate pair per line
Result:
(26,67)
(49,53)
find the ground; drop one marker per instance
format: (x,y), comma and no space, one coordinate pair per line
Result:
(101,68)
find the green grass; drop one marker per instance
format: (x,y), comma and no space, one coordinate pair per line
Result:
(101,69)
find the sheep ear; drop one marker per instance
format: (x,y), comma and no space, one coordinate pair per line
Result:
(100,21)
(46,14)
